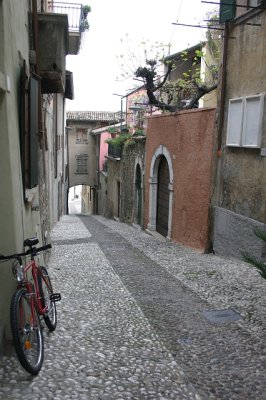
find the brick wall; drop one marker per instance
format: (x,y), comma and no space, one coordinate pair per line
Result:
(188,137)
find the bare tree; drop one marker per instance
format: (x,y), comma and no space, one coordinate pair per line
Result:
(168,94)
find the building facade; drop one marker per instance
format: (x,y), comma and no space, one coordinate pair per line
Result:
(34,41)
(240,197)
(86,153)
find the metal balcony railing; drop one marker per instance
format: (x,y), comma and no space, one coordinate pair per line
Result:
(76,20)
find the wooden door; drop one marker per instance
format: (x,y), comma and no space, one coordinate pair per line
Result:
(162,198)
(138,203)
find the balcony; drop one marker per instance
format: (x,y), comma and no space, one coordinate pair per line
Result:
(77,22)
(60,31)
(53,46)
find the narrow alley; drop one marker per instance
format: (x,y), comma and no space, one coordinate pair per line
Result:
(145,319)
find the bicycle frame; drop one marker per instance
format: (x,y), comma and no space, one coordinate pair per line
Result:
(33,298)
(33,288)
(32,316)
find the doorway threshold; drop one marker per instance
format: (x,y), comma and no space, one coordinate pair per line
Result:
(157,235)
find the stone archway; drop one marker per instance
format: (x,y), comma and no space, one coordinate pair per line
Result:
(160,153)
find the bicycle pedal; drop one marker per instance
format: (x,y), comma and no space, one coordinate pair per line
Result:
(55,297)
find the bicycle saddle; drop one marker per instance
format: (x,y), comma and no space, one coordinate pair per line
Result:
(31,242)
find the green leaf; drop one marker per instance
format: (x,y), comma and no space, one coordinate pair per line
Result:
(256,263)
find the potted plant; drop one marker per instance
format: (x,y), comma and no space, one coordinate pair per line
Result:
(86,9)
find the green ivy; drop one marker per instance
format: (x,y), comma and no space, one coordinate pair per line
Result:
(119,140)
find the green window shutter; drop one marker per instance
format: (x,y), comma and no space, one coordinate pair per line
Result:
(33,137)
(227,10)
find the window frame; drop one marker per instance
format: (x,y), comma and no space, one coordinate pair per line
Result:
(240,125)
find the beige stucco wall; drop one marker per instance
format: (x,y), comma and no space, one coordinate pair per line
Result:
(240,193)
(20,220)
(14,29)
(76,149)
(243,171)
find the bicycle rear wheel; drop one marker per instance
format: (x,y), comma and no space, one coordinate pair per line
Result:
(26,331)
(46,290)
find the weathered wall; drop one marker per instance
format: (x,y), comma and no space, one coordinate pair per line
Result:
(241,188)
(17,221)
(102,193)
(234,234)
(188,138)
(132,155)
(113,193)
(82,155)
(243,170)
(121,201)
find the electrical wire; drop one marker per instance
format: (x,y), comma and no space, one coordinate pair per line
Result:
(173,30)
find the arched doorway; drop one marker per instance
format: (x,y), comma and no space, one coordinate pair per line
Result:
(162,215)
(138,192)
(161,169)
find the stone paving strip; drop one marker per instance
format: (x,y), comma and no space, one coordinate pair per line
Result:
(69,228)
(219,355)
(224,283)
(104,346)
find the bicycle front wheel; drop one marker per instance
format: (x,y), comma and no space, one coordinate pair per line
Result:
(46,291)
(26,331)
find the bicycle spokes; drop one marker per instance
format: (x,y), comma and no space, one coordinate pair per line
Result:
(27,333)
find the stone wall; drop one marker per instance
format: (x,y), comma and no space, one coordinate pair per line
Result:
(101,194)
(121,183)
(234,234)
(112,209)
(133,155)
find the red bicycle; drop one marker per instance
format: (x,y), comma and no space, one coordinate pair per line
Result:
(33,298)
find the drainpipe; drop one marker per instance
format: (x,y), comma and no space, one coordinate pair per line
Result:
(220,123)
(223,84)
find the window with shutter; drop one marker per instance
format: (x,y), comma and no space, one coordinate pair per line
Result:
(227,10)
(29,93)
(245,121)
(33,133)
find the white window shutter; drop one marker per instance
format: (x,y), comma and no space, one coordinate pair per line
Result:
(252,123)
(235,122)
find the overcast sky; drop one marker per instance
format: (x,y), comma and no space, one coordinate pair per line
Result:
(96,69)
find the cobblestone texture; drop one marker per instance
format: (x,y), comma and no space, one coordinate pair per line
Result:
(131,324)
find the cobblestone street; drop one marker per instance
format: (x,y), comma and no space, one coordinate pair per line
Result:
(139,319)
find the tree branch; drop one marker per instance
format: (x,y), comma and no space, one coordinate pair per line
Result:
(202,90)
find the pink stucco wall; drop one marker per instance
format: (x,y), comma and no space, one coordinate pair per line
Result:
(189,139)
(103,149)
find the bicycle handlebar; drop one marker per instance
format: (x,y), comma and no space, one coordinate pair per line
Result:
(32,250)
(42,248)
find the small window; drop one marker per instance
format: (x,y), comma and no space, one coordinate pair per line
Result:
(244,125)
(82,164)
(81,136)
